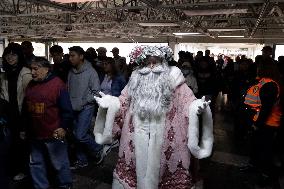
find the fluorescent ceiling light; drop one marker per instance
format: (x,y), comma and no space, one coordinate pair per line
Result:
(190,33)
(148,24)
(231,36)
(225,29)
(214,12)
(148,36)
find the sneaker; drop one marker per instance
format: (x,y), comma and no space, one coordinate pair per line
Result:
(19,177)
(79,165)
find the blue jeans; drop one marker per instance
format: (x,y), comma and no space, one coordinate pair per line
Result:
(55,152)
(85,140)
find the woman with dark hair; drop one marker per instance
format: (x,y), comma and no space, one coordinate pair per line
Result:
(264,99)
(113,83)
(14,82)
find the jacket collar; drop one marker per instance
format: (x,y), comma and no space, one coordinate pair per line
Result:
(85,66)
(49,77)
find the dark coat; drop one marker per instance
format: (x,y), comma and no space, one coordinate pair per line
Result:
(118,84)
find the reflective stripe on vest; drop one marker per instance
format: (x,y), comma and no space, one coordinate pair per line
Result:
(252,99)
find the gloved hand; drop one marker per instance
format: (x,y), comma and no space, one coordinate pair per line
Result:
(202,105)
(105,101)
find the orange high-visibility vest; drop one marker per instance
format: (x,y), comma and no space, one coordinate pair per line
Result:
(252,99)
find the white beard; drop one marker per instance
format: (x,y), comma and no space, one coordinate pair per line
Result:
(150,91)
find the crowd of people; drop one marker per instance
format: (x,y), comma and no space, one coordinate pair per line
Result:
(255,96)
(46,110)
(44,105)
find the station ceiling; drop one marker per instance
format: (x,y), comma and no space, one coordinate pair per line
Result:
(151,20)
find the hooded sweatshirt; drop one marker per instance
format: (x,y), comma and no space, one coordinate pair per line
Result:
(83,84)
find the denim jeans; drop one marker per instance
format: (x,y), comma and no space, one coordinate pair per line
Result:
(85,140)
(54,152)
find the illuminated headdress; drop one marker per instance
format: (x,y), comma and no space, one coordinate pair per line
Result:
(139,53)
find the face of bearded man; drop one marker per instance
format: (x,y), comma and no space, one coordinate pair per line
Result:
(150,90)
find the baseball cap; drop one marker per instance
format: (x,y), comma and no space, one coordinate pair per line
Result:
(115,49)
(102,49)
(266,48)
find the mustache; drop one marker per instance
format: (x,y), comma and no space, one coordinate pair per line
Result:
(156,69)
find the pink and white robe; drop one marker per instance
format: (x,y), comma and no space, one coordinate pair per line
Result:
(156,153)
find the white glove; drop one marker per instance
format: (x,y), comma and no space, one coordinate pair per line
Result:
(105,101)
(202,105)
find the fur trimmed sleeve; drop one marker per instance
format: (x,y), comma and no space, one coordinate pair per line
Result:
(105,120)
(109,121)
(206,142)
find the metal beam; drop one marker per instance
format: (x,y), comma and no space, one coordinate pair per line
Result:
(243,18)
(151,3)
(259,20)
(213,3)
(75,12)
(50,4)
(68,10)
(155,5)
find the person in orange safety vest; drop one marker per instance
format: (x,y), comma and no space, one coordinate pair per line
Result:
(264,99)
(253,100)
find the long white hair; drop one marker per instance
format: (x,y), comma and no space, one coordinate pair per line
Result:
(150,91)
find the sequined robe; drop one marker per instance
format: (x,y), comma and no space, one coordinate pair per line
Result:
(175,156)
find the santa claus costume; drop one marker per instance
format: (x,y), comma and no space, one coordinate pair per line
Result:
(156,119)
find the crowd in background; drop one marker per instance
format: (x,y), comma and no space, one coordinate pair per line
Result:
(46,108)
(254,91)
(43,106)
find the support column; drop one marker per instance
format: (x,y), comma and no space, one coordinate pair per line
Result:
(47,47)
(172,44)
(3,45)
